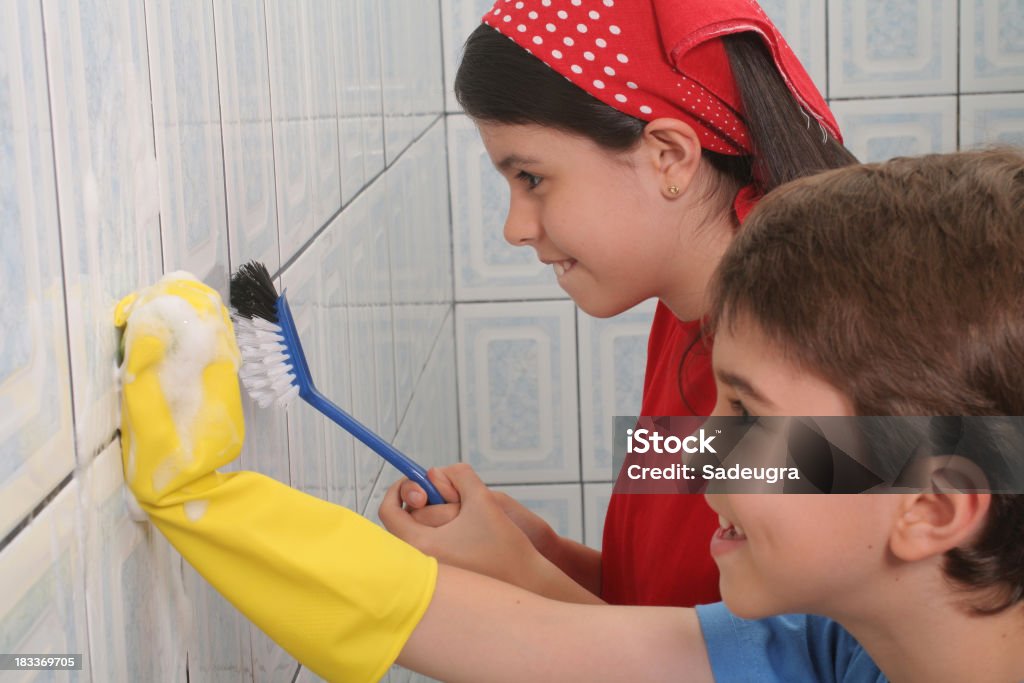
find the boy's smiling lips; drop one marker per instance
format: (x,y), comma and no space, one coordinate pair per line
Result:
(727,537)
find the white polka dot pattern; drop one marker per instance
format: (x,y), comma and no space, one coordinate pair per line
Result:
(613,50)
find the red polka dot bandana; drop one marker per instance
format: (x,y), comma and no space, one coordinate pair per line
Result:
(658,58)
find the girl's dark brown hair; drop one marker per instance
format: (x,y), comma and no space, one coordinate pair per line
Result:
(902,285)
(499,82)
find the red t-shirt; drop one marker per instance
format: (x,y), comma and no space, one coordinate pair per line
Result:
(655,549)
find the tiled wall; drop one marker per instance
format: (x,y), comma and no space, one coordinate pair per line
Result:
(903,77)
(321,137)
(140,137)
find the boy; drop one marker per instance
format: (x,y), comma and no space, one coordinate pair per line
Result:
(889,289)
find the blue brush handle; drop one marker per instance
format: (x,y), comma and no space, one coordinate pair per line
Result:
(309,393)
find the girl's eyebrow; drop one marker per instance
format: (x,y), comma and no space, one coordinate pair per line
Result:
(513,160)
(743,386)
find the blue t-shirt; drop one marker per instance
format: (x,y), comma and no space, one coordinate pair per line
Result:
(789,649)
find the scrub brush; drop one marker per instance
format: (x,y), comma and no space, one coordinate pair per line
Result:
(274,368)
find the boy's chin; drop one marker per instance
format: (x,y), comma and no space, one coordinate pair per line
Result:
(748,604)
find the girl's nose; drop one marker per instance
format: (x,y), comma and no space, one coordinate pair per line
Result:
(522,225)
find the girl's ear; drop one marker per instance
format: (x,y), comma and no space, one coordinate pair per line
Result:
(937,520)
(675,152)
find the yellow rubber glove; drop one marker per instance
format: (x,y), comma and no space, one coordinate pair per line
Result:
(333,589)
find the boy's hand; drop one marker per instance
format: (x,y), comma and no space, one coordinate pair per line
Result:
(475,533)
(414,500)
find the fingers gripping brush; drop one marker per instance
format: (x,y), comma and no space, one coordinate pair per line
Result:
(274,368)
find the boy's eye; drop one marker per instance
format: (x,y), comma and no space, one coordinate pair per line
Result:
(531,180)
(741,411)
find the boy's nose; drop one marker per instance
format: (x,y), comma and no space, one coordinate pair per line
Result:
(522,226)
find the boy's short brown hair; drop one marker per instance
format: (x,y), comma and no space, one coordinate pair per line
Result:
(902,285)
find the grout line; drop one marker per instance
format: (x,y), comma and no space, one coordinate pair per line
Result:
(223,147)
(298,254)
(36,511)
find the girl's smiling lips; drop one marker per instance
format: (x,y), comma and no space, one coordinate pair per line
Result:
(561,267)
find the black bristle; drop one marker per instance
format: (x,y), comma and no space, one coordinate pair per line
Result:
(253,292)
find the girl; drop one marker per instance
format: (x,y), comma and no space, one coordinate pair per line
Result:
(909,277)
(635,136)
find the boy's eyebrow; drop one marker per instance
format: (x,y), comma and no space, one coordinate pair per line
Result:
(743,386)
(513,160)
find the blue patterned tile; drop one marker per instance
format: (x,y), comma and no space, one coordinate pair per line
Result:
(612,358)
(991,45)
(875,130)
(892,47)
(107,180)
(244,86)
(486,266)
(459,18)
(36,449)
(517,391)
(992,119)
(802,22)
(42,606)
(595,507)
(560,505)
(137,603)
(410,71)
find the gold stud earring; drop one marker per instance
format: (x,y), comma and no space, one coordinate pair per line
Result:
(673,190)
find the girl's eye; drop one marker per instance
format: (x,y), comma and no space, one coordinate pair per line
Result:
(531,180)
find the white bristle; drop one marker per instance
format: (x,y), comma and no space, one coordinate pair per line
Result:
(267,373)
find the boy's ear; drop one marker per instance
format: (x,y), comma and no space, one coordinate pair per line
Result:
(675,152)
(942,517)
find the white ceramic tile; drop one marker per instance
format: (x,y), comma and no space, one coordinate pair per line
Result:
(991,119)
(270,664)
(350,98)
(486,266)
(802,22)
(107,182)
(387,476)
(36,441)
(420,678)
(335,380)
(358,267)
(324,110)
(218,642)
(459,18)
(892,47)
(287,36)
(307,676)
(991,45)
(560,505)
(137,608)
(612,358)
(42,605)
(370,37)
(250,190)
(379,206)
(429,433)
(410,70)
(875,130)
(305,424)
(419,240)
(186,112)
(517,390)
(595,507)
